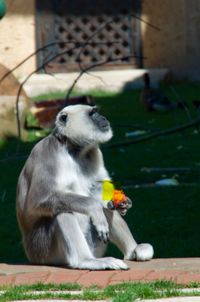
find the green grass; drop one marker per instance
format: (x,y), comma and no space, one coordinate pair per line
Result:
(118,293)
(167,217)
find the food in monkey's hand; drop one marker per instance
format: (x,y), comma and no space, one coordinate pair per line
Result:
(119,202)
(118,198)
(115,199)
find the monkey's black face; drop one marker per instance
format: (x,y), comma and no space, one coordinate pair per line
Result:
(99,120)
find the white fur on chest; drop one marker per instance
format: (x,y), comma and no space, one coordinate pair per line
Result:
(70,176)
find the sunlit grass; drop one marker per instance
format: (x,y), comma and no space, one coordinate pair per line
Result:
(126,292)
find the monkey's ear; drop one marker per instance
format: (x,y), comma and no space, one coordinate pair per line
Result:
(63,118)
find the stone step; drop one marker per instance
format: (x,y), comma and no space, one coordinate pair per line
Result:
(109,80)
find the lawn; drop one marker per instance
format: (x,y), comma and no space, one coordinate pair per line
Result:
(166,216)
(125,292)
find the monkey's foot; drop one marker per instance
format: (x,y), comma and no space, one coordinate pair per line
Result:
(107,263)
(142,252)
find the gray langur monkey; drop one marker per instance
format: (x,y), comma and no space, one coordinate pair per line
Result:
(59,200)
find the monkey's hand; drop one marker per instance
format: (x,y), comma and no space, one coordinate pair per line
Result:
(101,225)
(124,206)
(121,207)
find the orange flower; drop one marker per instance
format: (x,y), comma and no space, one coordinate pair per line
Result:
(118,197)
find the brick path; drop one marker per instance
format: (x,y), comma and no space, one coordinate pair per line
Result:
(181,270)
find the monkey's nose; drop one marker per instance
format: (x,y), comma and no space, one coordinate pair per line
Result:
(103,122)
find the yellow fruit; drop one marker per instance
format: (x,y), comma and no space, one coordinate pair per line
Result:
(107,190)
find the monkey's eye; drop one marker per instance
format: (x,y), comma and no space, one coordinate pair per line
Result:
(94,110)
(63,118)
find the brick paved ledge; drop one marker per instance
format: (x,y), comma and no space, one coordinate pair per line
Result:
(180,270)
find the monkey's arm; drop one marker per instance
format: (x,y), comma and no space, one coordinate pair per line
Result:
(58,202)
(45,200)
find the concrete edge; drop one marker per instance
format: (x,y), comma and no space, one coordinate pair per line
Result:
(109,80)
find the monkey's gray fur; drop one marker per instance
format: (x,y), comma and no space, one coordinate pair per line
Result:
(59,204)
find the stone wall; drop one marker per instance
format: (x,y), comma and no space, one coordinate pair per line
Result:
(176,46)
(17,35)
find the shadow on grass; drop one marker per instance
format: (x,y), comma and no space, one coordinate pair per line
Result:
(10,166)
(167,217)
